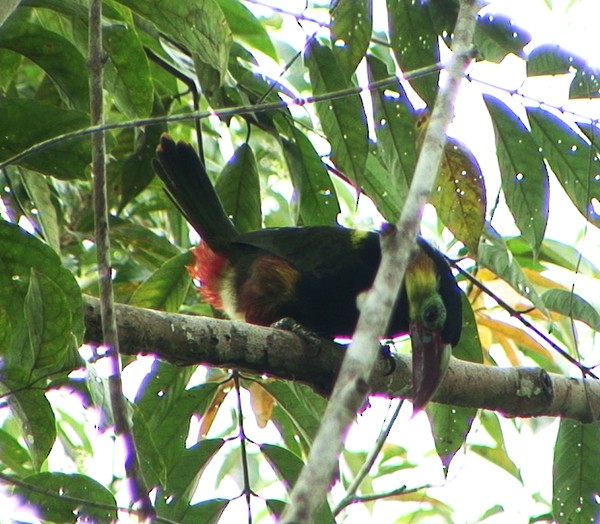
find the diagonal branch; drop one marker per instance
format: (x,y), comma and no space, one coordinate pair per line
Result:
(354,379)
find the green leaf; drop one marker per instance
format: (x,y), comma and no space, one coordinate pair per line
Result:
(58,507)
(143,244)
(498,457)
(173,502)
(469,346)
(450,427)
(382,190)
(551,59)
(208,511)
(525,180)
(199,26)
(39,191)
(167,287)
(299,408)
(351,28)
(66,160)
(571,158)
(127,70)
(496,35)
(48,316)
(246,27)
(13,455)
(496,257)
(58,57)
(393,115)
(343,120)
(414,40)
(573,306)
(496,454)
(167,407)
(238,186)
(41,309)
(288,466)
(459,194)
(36,418)
(586,83)
(314,191)
(576,474)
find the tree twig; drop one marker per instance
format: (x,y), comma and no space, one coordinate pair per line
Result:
(109,324)
(350,496)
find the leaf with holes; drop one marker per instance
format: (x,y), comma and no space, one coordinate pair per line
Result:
(525,180)
(571,158)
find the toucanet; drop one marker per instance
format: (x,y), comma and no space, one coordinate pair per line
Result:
(311,274)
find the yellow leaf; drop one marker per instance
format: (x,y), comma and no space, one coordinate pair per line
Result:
(516,335)
(262,403)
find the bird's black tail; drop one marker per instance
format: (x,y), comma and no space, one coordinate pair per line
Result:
(187,183)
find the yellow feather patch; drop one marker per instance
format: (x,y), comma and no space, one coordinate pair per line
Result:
(421,282)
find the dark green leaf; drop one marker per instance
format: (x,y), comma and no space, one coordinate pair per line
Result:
(35,415)
(57,507)
(183,479)
(551,59)
(469,346)
(524,177)
(66,160)
(573,306)
(586,83)
(167,287)
(343,120)
(352,24)
(414,40)
(496,35)
(571,158)
(315,194)
(238,186)
(207,511)
(48,316)
(39,191)
(200,26)
(58,57)
(167,406)
(9,65)
(450,426)
(286,464)
(393,115)
(42,318)
(127,70)
(576,475)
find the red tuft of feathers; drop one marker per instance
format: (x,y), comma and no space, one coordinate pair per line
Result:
(208,271)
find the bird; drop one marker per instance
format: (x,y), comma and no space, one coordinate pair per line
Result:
(311,274)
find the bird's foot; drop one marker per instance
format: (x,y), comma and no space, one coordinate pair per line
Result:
(386,354)
(310,337)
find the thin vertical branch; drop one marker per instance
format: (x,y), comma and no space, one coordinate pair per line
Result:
(352,385)
(243,440)
(139,494)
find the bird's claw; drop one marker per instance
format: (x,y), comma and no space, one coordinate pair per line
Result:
(310,337)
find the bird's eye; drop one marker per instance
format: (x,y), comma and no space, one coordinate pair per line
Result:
(433,314)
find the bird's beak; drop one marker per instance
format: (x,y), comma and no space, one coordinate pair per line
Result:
(430,356)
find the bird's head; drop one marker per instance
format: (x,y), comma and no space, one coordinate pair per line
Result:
(434,320)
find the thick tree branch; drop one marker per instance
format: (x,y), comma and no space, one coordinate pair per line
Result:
(189,340)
